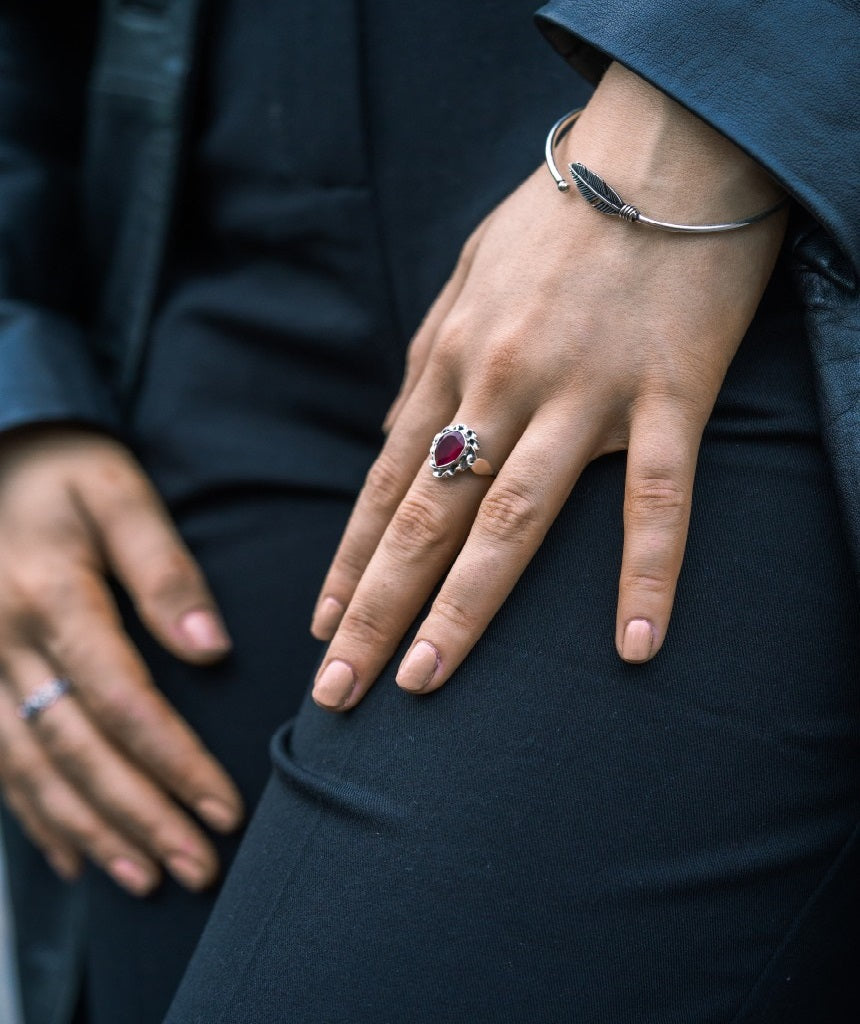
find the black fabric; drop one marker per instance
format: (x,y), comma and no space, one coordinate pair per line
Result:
(556,835)
(264,553)
(46,372)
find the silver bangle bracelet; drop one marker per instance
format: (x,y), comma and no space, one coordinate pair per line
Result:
(605,199)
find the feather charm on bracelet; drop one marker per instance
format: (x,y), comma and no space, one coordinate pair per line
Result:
(601,196)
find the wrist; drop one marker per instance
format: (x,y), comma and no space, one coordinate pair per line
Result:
(662,157)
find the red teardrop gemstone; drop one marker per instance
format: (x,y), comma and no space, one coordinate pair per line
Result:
(449,448)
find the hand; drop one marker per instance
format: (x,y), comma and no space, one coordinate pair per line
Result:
(562,335)
(102,771)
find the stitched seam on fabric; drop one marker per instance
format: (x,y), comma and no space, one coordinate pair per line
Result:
(796,923)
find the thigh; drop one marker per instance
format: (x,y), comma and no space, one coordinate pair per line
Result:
(556,835)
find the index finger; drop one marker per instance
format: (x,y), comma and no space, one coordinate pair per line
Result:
(661,465)
(385,486)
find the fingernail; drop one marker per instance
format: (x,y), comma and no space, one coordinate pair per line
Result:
(66,866)
(203,631)
(131,875)
(326,618)
(418,667)
(638,640)
(334,684)
(219,814)
(191,873)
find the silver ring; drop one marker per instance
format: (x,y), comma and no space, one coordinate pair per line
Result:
(43,698)
(455,449)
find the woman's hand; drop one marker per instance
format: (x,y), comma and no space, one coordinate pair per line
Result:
(562,335)
(102,772)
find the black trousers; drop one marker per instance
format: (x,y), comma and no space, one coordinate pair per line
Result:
(558,836)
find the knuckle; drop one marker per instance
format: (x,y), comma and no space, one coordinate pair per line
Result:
(656,497)
(351,561)
(45,600)
(117,709)
(363,625)
(383,486)
(508,514)
(71,646)
(507,363)
(648,582)
(454,612)
(40,590)
(67,748)
(451,341)
(418,526)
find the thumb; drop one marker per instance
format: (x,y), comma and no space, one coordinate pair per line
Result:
(144,550)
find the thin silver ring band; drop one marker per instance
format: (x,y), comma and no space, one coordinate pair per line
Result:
(44,697)
(595,191)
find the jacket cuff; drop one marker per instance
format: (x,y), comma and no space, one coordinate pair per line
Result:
(47,372)
(779,79)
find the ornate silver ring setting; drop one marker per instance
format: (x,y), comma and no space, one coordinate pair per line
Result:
(454,450)
(42,698)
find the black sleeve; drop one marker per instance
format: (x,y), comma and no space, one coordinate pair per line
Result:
(47,371)
(780,79)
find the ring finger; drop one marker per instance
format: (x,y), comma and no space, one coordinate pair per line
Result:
(113,786)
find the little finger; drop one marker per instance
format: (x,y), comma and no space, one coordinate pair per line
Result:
(661,465)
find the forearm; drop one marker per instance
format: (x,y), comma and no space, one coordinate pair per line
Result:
(778,79)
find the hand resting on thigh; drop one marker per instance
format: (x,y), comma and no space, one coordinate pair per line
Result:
(562,335)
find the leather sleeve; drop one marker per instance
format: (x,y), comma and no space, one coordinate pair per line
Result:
(46,369)
(781,79)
